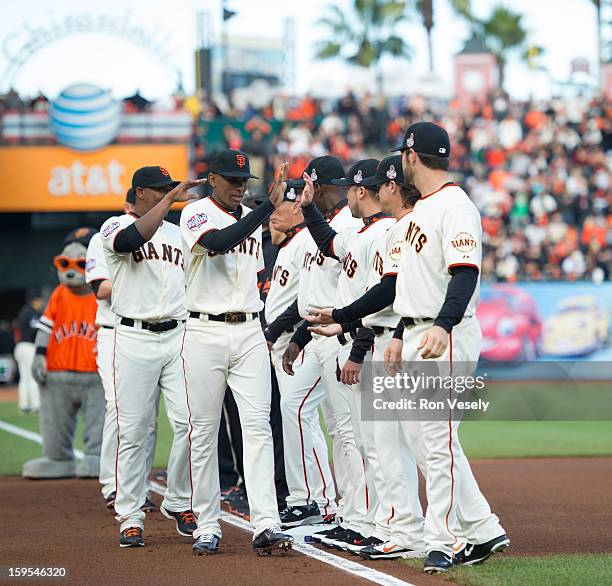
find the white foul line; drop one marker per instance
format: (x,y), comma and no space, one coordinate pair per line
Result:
(305,549)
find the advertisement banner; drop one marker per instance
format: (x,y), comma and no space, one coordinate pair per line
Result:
(58,179)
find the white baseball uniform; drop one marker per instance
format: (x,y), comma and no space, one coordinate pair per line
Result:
(356,250)
(96,270)
(443,231)
(307,470)
(225,353)
(148,288)
(318,282)
(397,467)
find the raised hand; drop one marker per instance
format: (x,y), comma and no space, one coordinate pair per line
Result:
(180,192)
(279,187)
(308,192)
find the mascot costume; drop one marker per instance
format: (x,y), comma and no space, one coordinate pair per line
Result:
(65,368)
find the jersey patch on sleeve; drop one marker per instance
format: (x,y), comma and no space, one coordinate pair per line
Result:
(197,221)
(464,242)
(90,265)
(396,250)
(110,229)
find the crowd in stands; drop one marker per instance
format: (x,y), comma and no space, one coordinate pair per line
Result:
(539,172)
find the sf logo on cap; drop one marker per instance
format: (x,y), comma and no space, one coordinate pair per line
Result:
(164,172)
(410,140)
(241,160)
(313,175)
(358,177)
(291,194)
(391,173)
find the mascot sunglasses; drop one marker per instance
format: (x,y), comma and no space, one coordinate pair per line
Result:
(63,263)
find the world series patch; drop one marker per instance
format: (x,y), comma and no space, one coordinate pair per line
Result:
(197,221)
(110,229)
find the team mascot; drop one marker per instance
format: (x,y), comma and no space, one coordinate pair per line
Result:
(65,368)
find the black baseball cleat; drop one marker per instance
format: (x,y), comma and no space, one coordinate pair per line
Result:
(359,544)
(341,539)
(185,521)
(330,519)
(332,532)
(297,516)
(476,554)
(206,544)
(148,506)
(131,537)
(437,562)
(271,539)
(110,501)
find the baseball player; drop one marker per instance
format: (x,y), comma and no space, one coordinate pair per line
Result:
(145,263)
(404,537)
(311,486)
(436,293)
(225,346)
(318,282)
(96,275)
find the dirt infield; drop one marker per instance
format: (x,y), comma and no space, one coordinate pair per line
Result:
(547,505)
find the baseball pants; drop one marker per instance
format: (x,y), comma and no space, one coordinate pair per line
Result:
(399,474)
(309,476)
(457,511)
(142,360)
(216,355)
(108,452)
(341,404)
(28,392)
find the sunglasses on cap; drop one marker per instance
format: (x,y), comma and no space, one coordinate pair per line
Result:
(63,263)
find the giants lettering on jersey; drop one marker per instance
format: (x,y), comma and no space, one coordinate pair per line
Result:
(415,236)
(82,330)
(149,252)
(377,263)
(349,265)
(280,275)
(248,246)
(309,258)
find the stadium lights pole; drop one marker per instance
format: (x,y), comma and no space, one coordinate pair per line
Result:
(226,15)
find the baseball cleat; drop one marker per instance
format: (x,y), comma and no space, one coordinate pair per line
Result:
(339,540)
(388,551)
(360,544)
(437,562)
(185,521)
(270,539)
(476,554)
(206,544)
(110,501)
(297,516)
(226,493)
(330,519)
(320,535)
(131,537)
(148,506)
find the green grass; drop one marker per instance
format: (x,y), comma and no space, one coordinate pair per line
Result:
(14,450)
(558,570)
(480,439)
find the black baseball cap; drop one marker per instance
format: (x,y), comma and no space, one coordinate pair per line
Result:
(358,172)
(389,169)
(130,196)
(291,191)
(426,138)
(230,163)
(152,177)
(323,170)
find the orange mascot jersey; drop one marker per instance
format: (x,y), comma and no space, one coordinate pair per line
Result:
(71,319)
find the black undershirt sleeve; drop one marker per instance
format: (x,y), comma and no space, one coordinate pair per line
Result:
(362,344)
(399,331)
(320,230)
(95,285)
(223,240)
(375,299)
(302,336)
(460,290)
(283,323)
(128,240)
(351,326)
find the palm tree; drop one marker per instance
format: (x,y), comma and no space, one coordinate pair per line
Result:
(425,7)
(501,32)
(365,34)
